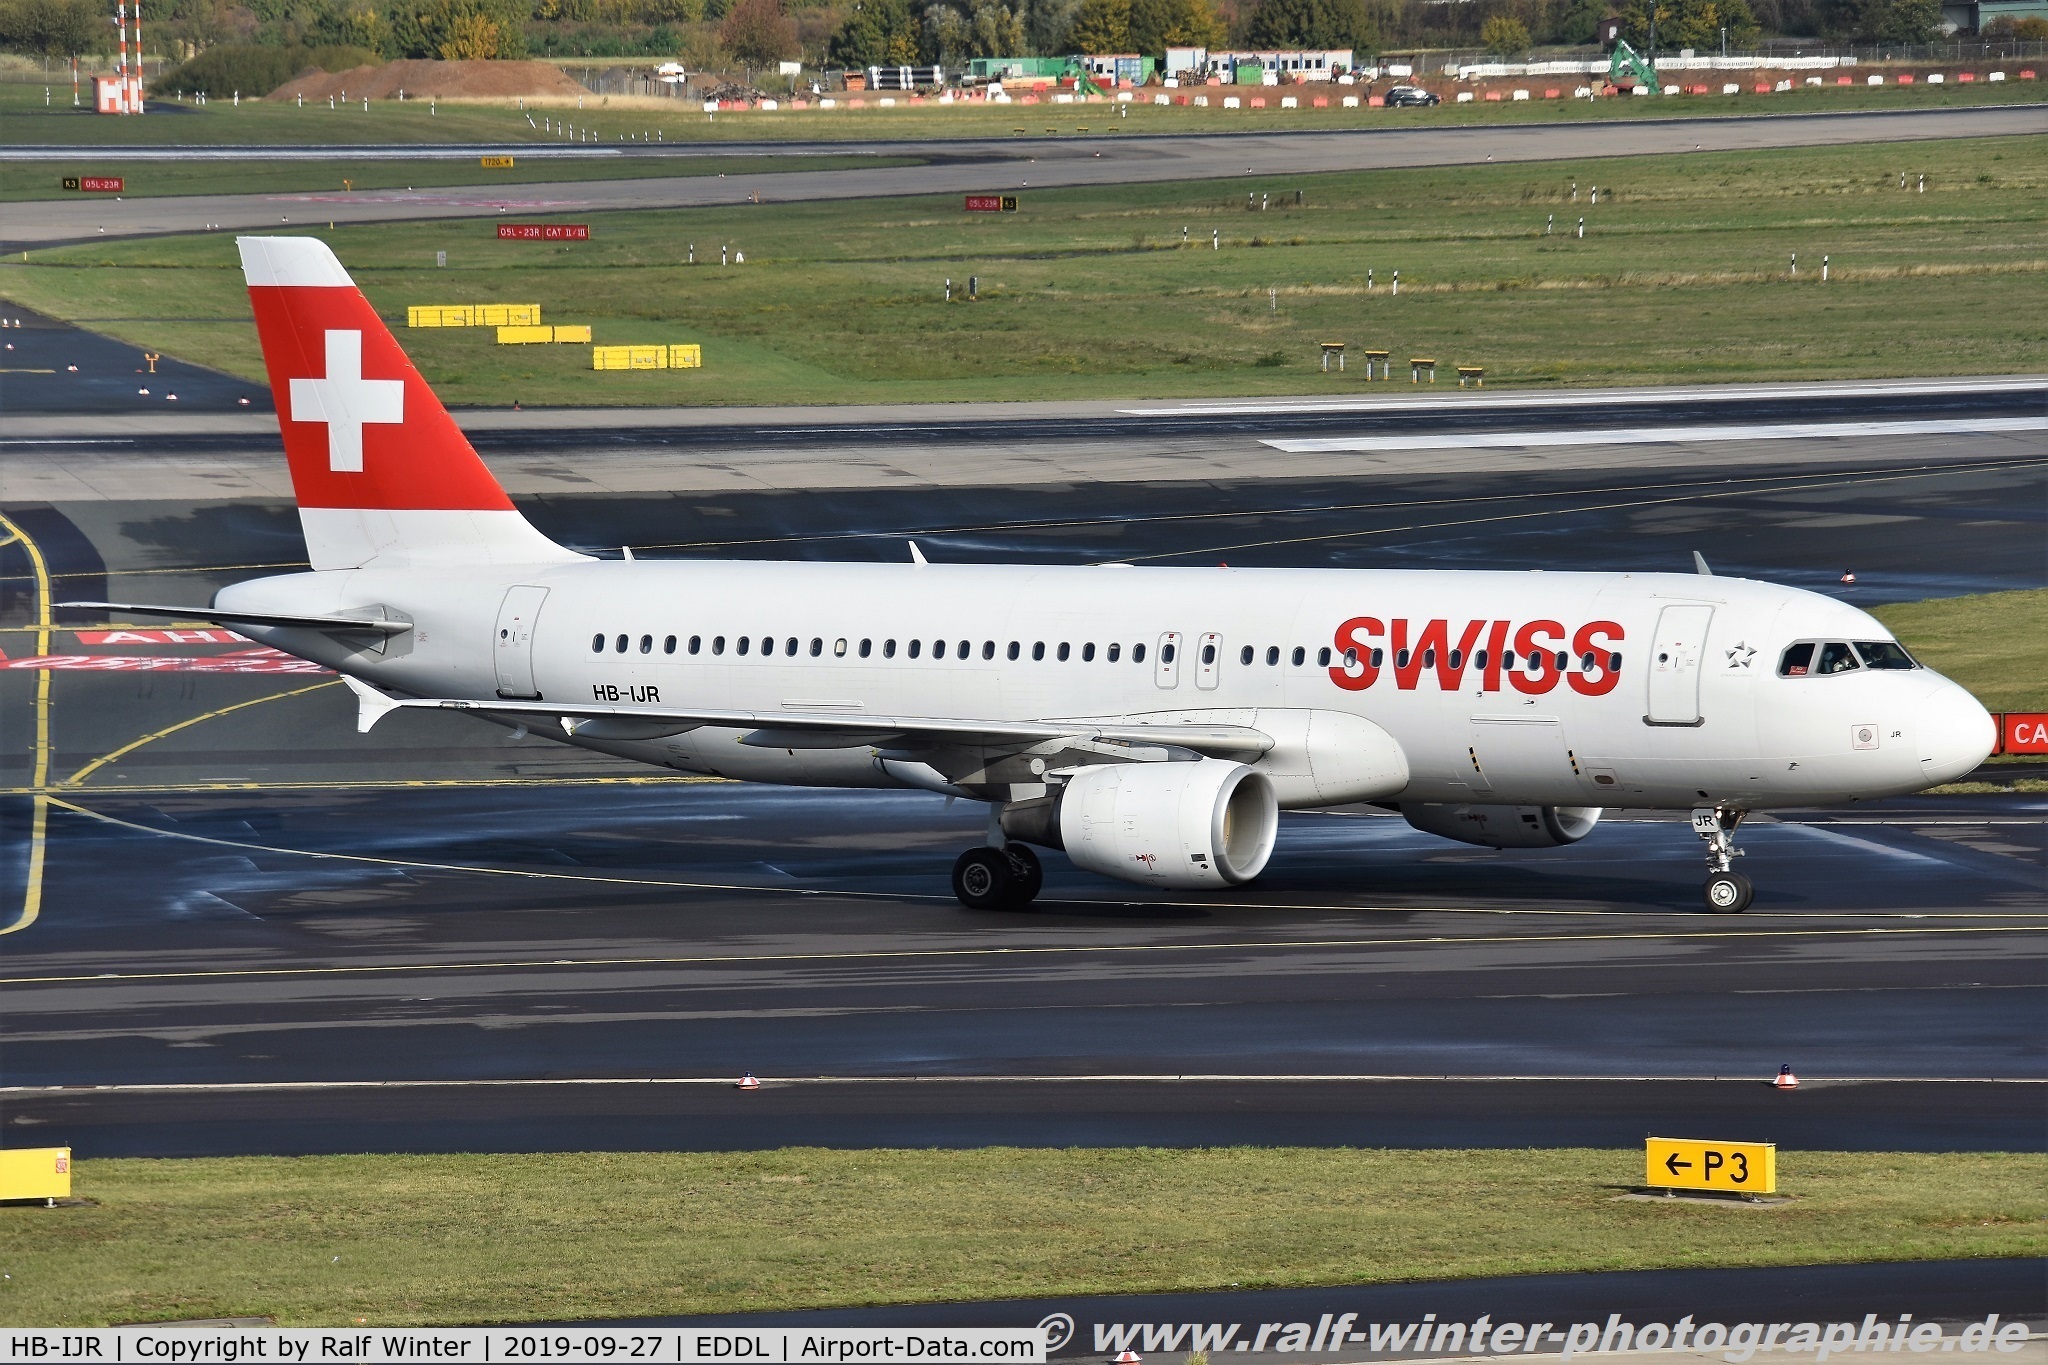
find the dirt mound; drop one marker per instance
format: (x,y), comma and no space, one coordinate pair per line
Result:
(445,80)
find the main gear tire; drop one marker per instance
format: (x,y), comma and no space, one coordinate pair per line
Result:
(982,879)
(1026,872)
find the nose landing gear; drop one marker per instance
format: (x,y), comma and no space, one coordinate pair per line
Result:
(1006,878)
(1726,892)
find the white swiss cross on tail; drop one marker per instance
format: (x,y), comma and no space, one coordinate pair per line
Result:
(344,400)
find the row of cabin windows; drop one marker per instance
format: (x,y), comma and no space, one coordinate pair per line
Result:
(791,646)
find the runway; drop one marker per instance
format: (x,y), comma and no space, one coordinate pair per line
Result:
(240,894)
(1017,165)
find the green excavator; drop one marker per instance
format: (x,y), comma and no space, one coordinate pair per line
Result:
(1628,68)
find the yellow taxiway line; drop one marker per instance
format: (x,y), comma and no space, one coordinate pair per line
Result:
(132,745)
(39,775)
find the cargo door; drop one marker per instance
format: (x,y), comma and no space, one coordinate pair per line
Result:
(1674,671)
(514,645)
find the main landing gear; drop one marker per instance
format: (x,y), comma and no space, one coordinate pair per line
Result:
(1006,878)
(1726,892)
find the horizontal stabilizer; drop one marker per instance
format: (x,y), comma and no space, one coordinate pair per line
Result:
(361,625)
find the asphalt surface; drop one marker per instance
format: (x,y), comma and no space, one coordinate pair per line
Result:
(48,366)
(258,902)
(1932,1291)
(1018,165)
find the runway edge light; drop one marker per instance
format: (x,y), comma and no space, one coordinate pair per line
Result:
(1744,1168)
(35,1173)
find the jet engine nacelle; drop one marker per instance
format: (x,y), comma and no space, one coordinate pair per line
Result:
(1190,825)
(1504,826)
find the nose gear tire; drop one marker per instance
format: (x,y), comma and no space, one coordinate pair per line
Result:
(1728,893)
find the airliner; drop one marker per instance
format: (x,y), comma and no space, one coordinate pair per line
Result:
(1150,722)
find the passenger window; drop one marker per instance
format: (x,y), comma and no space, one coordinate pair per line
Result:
(1614,663)
(1208,654)
(1479,659)
(888,649)
(1272,655)
(839,648)
(1245,655)
(1088,653)
(1014,650)
(696,643)
(1884,654)
(1351,658)
(1377,656)
(988,649)
(718,644)
(597,644)
(1428,657)
(1038,651)
(1400,658)
(916,648)
(746,643)
(938,649)
(1563,660)
(866,648)
(620,644)
(817,646)
(1323,657)
(789,646)
(1064,651)
(1507,658)
(1138,654)
(1166,653)
(668,645)
(1836,657)
(1298,656)
(1115,652)
(1586,661)
(647,644)
(767,644)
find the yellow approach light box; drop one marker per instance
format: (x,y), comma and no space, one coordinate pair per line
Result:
(1724,1167)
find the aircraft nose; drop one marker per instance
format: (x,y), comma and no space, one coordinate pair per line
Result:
(1956,734)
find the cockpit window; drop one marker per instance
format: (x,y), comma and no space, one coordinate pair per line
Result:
(1884,654)
(1836,657)
(1798,661)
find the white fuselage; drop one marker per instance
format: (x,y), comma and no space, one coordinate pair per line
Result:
(1670,694)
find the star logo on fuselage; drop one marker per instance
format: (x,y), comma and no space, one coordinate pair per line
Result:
(1740,655)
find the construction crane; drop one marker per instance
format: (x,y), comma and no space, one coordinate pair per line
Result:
(1628,68)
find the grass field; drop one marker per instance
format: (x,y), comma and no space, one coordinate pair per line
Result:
(1682,276)
(1995,644)
(25,119)
(478,1239)
(25,180)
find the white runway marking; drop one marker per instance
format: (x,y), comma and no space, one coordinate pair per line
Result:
(1381,402)
(727,1082)
(1688,435)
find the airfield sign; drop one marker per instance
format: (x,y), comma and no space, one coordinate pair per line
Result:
(1725,1167)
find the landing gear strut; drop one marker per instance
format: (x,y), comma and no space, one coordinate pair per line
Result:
(1006,878)
(1726,892)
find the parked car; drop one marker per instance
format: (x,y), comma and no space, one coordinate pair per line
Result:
(1411,95)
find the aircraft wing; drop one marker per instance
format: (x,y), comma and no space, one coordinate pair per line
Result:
(366,624)
(799,729)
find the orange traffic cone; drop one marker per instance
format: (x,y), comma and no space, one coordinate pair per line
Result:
(1786,1080)
(1129,1357)
(747,1082)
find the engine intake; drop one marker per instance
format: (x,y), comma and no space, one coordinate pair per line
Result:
(1189,826)
(1504,826)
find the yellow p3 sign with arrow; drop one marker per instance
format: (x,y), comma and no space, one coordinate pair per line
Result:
(1733,1167)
